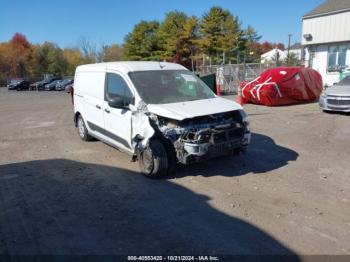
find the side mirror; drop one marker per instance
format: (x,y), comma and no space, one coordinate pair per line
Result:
(116,102)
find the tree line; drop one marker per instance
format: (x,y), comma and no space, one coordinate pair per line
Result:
(21,59)
(216,37)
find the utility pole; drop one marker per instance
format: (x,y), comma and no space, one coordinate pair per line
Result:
(289,37)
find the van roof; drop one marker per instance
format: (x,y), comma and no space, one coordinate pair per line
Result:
(130,66)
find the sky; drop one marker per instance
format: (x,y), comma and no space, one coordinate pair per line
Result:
(108,21)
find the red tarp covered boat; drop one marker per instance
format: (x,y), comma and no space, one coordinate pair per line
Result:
(283,86)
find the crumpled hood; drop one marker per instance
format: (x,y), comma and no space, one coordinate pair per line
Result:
(190,109)
(338,91)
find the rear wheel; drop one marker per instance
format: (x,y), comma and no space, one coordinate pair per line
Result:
(82,130)
(153,161)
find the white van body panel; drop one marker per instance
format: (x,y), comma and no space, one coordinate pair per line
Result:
(131,129)
(118,121)
(184,110)
(88,98)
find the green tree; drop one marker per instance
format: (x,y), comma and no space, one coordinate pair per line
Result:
(251,35)
(220,33)
(251,38)
(292,60)
(142,42)
(177,35)
(187,46)
(48,58)
(169,33)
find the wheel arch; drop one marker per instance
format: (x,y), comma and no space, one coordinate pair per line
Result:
(75,119)
(169,147)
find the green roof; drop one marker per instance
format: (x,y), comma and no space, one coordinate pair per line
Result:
(330,6)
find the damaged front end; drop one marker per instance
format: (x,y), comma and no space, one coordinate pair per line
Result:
(205,137)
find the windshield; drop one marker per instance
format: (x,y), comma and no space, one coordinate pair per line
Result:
(345,81)
(169,86)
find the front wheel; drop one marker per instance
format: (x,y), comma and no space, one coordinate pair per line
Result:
(153,161)
(82,130)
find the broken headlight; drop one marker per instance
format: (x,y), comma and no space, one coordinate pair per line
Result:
(244,118)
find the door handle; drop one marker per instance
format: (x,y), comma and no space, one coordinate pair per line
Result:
(107,110)
(98,106)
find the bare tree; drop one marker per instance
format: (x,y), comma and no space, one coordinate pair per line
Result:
(88,50)
(100,53)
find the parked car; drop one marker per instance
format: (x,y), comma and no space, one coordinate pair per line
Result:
(40,85)
(52,86)
(62,85)
(160,113)
(18,84)
(336,97)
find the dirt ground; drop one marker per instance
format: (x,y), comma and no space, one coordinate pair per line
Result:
(289,194)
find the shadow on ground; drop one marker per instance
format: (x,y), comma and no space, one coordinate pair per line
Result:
(60,206)
(263,155)
(336,113)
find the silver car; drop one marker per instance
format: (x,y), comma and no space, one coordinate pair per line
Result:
(336,97)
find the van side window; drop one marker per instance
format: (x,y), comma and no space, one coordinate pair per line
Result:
(116,86)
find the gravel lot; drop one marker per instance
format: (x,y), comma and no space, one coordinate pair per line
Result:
(289,194)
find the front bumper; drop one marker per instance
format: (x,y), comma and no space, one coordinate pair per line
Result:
(223,143)
(335,103)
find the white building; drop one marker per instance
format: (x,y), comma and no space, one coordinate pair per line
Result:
(326,39)
(273,55)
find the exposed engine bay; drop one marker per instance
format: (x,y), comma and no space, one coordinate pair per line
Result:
(205,137)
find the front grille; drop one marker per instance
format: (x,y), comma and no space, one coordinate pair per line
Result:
(235,133)
(223,148)
(227,135)
(338,108)
(339,102)
(220,137)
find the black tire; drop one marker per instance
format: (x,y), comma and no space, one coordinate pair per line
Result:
(82,130)
(172,159)
(153,161)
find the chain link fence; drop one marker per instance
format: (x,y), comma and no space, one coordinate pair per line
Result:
(233,74)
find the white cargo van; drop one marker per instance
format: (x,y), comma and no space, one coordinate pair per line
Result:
(160,113)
